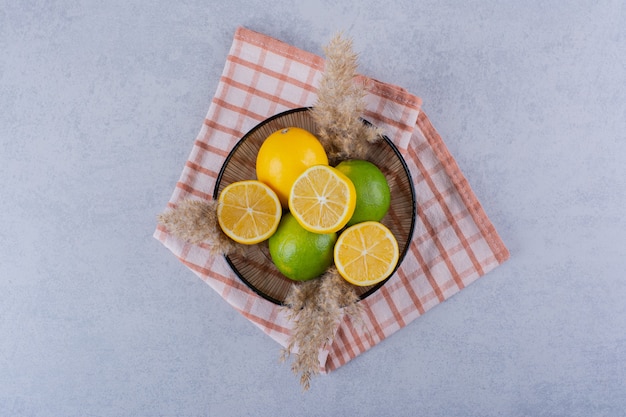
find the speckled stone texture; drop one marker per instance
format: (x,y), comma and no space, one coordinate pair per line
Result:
(99,105)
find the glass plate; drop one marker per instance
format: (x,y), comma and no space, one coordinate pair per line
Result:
(254,267)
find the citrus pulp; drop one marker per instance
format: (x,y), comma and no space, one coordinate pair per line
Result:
(322,199)
(248,211)
(366,253)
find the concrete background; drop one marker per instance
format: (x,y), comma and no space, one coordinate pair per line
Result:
(99,105)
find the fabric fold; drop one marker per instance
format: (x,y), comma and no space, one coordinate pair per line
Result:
(454,243)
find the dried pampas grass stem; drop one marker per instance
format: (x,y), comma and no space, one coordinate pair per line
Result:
(316,307)
(195,221)
(340,104)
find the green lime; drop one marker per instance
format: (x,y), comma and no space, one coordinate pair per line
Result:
(372,190)
(299,254)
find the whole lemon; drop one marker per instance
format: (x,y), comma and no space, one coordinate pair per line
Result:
(299,254)
(373,196)
(284,155)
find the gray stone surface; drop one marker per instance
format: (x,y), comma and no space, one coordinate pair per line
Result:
(99,105)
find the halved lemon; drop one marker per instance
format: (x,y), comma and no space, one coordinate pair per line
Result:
(248,211)
(366,253)
(322,199)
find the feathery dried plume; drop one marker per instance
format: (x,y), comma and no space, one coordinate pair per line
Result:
(196,222)
(342,293)
(340,104)
(316,307)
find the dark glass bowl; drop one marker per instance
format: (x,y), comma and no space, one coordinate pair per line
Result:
(255,267)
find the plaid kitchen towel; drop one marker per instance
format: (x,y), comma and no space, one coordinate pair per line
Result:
(454,242)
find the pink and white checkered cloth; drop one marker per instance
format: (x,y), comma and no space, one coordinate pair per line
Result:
(454,242)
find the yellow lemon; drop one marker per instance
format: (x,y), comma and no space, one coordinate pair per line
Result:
(248,211)
(284,155)
(322,199)
(366,253)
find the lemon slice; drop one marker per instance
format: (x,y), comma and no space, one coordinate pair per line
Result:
(366,253)
(322,199)
(248,211)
